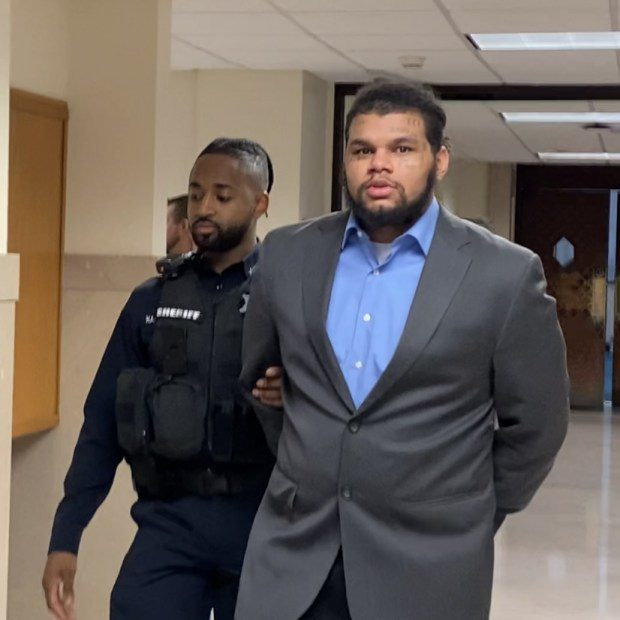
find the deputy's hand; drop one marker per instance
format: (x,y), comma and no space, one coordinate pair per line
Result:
(58,580)
(268,389)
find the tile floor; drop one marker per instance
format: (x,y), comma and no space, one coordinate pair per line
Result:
(560,558)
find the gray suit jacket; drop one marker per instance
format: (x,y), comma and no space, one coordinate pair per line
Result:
(413,483)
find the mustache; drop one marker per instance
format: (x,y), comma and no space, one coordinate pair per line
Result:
(204,220)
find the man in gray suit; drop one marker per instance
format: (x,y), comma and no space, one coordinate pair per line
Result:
(425,391)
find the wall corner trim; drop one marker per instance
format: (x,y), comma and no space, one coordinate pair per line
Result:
(9,277)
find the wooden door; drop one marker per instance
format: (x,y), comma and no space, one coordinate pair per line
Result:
(37,150)
(562,214)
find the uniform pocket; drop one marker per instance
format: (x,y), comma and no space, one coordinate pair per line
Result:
(178,411)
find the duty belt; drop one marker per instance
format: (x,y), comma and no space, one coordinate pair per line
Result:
(178,482)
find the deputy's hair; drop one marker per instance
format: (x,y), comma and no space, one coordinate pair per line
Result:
(251,155)
(385,96)
(179,207)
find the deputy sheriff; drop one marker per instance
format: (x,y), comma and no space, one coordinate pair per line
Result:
(165,398)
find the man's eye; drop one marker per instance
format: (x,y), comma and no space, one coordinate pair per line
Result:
(362,151)
(404,149)
(224,198)
(194,197)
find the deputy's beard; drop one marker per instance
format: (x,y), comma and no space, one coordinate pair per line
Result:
(220,239)
(402,214)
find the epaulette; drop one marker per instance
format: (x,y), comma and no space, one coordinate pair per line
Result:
(170,267)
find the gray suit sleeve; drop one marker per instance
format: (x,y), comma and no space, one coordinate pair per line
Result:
(261,349)
(530,393)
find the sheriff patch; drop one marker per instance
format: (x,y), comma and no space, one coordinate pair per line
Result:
(178,313)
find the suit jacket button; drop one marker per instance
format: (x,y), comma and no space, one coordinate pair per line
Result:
(354,427)
(346,493)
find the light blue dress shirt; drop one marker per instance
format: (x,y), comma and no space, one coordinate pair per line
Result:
(370,301)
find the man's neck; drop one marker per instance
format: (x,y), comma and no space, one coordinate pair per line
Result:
(220,261)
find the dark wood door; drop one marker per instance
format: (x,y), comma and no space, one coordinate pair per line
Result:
(562,214)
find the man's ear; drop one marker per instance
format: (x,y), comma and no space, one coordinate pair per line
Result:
(442,162)
(262,204)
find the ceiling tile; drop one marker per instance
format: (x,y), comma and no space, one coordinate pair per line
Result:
(532,21)
(375,23)
(555,67)
(311,60)
(220,6)
(439,67)
(184,56)
(538,106)
(568,138)
(354,5)
(476,131)
(262,43)
(232,23)
(419,42)
(525,5)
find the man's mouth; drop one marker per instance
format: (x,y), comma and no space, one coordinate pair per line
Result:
(379,188)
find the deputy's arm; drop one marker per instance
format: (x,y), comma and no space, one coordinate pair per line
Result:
(91,473)
(261,350)
(530,392)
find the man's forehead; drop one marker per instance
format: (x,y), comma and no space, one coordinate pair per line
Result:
(393,122)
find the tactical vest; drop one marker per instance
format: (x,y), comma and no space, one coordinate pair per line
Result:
(185,410)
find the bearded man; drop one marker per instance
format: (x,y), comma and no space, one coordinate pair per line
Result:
(425,393)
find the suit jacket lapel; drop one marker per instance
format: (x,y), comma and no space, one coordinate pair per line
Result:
(446,265)
(319,271)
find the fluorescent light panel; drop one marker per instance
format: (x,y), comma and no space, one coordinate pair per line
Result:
(593,157)
(546,41)
(581,118)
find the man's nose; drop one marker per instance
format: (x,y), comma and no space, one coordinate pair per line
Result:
(207,205)
(380,161)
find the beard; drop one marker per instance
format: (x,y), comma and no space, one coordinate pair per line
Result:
(220,239)
(402,214)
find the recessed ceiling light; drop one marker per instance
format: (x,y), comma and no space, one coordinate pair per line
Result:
(546,41)
(580,118)
(582,157)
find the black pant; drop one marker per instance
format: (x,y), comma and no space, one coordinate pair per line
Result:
(331,601)
(185,559)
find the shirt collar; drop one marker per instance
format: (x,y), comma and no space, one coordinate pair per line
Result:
(248,263)
(422,231)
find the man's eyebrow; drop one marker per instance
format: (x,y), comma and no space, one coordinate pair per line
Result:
(223,186)
(195,185)
(359,142)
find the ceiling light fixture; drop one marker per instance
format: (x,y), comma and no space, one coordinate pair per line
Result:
(579,118)
(546,41)
(581,157)
(412,62)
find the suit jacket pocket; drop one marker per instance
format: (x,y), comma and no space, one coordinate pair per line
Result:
(281,492)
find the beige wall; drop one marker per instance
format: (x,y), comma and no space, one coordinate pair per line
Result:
(111,93)
(285,112)
(481,192)
(9,283)
(40,46)
(312,177)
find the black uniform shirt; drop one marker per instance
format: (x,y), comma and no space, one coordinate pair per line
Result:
(97,453)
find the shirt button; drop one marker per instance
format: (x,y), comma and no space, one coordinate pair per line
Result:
(354,427)
(366,317)
(358,364)
(375,272)
(346,493)
(218,287)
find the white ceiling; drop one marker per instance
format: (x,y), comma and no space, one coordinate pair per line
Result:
(352,41)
